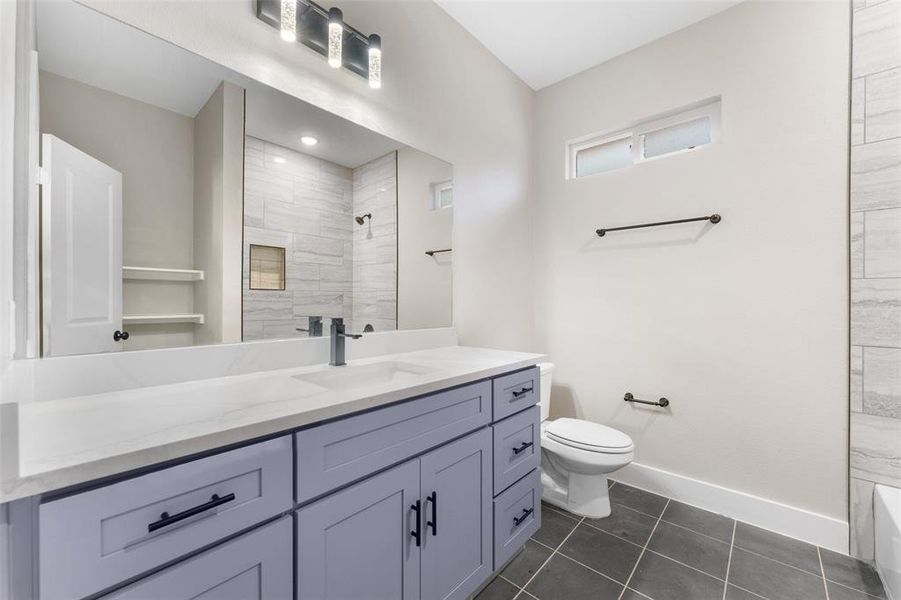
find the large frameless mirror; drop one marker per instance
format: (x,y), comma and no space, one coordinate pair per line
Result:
(185,204)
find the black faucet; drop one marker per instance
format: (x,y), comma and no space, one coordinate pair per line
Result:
(337,342)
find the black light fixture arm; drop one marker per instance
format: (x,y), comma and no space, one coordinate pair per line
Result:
(714,218)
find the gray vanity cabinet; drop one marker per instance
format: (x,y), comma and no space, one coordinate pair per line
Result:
(456,545)
(253,566)
(357,543)
(419,530)
(421,499)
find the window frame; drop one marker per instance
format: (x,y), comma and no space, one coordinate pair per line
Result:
(710,108)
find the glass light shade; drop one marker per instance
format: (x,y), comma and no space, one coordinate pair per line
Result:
(288,20)
(335,37)
(375,61)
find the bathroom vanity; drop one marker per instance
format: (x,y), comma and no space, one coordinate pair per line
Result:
(399,493)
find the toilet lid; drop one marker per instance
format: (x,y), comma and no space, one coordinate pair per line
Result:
(589,436)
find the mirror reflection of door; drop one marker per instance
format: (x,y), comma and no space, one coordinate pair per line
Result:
(82,251)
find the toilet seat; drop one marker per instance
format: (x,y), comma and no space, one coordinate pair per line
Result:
(589,436)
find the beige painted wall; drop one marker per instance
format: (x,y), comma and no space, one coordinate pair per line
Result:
(153,148)
(425,284)
(218,213)
(742,325)
(443,93)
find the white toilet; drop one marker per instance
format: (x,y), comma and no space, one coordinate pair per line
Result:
(576,457)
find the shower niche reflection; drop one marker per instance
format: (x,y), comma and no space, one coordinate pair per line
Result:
(226,210)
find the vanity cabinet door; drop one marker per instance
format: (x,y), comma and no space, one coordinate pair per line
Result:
(358,543)
(456,493)
(254,566)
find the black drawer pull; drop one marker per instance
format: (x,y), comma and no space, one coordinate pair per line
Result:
(417,533)
(433,498)
(167,519)
(522,447)
(517,521)
(522,392)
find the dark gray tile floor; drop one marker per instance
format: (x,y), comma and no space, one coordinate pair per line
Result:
(654,548)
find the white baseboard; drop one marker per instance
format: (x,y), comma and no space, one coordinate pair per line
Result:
(794,522)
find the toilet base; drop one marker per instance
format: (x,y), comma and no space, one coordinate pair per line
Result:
(583,495)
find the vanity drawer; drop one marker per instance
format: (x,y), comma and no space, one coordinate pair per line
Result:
(517,447)
(343,451)
(515,392)
(96,539)
(517,516)
(255,566)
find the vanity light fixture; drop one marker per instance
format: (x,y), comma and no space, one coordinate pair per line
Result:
(325,31)
(308,140)
(375,61)
(288,20)
(335,36)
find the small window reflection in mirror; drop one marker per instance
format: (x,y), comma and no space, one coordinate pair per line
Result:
(442,195)
(267,267)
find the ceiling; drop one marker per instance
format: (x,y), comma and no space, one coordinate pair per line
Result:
(545,41)
(79,43)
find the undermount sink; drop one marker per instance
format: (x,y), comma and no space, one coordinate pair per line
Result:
(356,376)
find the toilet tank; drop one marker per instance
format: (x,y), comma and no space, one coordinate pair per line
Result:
(547,372)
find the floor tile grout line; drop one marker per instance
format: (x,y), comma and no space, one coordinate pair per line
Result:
(635,566)
(823,573)
(662,519)
(519,590)
(853,589)
(687,566)
(642,594)
(748,591)
(548,559)
(592,569)
(542,544)
(784,564)
(710,537)
(729,563)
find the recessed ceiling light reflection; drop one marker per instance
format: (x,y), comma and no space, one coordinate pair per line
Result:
(308,140)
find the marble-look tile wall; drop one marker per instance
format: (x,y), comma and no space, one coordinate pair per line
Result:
(875,261)
(375,244)
(304,205)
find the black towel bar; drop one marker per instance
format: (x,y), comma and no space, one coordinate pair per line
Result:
(630,398)
(714,218)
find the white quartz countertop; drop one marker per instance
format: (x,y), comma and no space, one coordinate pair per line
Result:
(59,443)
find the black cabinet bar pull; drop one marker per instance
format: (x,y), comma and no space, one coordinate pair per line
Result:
(525,514)
(522,392)
(167,519)
(522,447)
(433,498)
(417,533)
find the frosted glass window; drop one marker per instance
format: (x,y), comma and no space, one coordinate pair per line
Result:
(682,136)
(267,267)
(606,156)
(442,195)
(677,131)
